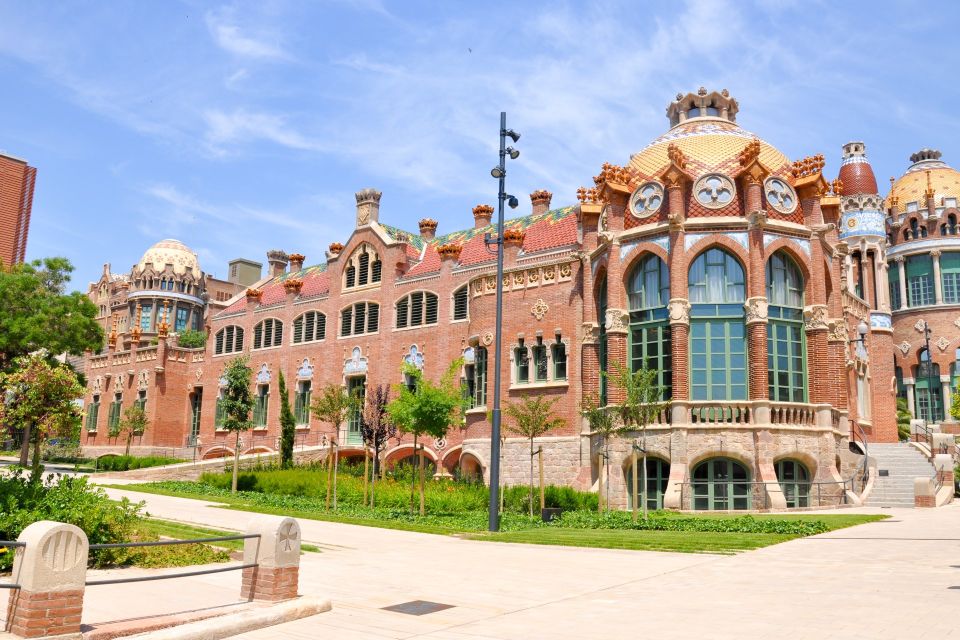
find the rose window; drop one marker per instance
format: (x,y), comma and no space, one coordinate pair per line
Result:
(780,195)
(714,190)
(646,200)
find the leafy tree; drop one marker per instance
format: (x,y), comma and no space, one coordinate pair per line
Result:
(904,417)
(332,405)
(603,423)
(41,400)
(288,427)
(36,313)
(532,417)
(427,408)
(190,339)
(375,429)
(642,404)
(237,401)
(133,423)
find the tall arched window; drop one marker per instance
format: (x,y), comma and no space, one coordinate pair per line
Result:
(359,319)
(786,343)
(950,273)
(362,268)
(602,337)
(718,346)
(720,484)
(927,389)
(309,327)
(794,481)
(268,333)
(919,281)
(648,290)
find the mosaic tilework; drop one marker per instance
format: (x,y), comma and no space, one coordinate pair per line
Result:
(740,237)
(863,222)
(880,320)
(801,243)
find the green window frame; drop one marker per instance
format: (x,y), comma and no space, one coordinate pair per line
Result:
(893,279)
(649,339)
(794,479)
(180,323)
(927,390)
(476,379)
(559,356)
(716,277)
(141,401)
(721,484)
(356,387)
(919,281)
(261,405)
(93,413)
(950,275)
(786,338)
(196,406)
(521,361)
(146,317)
(220,414)
(540,367)
(301,404)
(658,475)
(113,418)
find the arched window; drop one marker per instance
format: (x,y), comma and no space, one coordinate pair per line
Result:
(720,484)
(927,389)
(416,309)
(786,342)
(363,268)
(648,290)
(919,281)
(658,474)
(359,319)
(602,336)
(309,327)
(268,333)
(950,274)
(718,346)
(461,300)
(794,482)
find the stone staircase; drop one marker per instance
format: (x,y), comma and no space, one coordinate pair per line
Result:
(903,463)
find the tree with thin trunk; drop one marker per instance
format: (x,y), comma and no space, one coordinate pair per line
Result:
(333,404)
(531,417)
(603,423)
(643,404)
(237,401)
(375,429)
(133,423)
(288,426)
(40,398)
(427,408)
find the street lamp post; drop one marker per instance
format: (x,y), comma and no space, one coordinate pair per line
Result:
(499,172)
(929,373)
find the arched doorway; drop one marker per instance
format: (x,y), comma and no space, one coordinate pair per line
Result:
(721,484)
(794,481)
(658,473)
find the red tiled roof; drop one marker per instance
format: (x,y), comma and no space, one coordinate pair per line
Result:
(316,281)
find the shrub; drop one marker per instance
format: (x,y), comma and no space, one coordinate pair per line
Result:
(70,500)
(126,463)
(191,339)
(63,451)
(664,522)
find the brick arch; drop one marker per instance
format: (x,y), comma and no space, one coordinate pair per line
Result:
(799,259)
(451,457)
(402,451)
(474,461)
(260,448)
(906,227)
(722,242)
(642,250)
(216,451)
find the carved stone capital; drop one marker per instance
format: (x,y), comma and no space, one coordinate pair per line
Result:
(756,219)
(756,309)
(899,259)
(837,330)
(679,309)
(591,333)
(935,253)
(815,317)
(618,321)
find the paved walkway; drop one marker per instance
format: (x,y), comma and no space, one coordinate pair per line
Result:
(894,579)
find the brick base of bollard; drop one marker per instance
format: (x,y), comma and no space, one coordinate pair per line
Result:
(271,584)
(924,501)
(39,615)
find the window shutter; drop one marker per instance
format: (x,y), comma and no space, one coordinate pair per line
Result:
(431,309)
(374,318)
(364,269)
(218,349)
(351,276)
(402,309)
(277,333)
(359,318)
(460,304)
(298,330)
(238,340)
(346,320)
(321,331)
(258,336)
(416,309)
(376,271)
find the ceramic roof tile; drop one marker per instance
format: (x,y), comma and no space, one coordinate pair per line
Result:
(316,281)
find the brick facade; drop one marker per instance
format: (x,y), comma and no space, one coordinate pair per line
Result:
(17,180)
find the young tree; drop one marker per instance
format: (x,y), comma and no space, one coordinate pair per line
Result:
(36,313)
(425,408)
(602,423)
(642,405)
(376,429)
(133,423)
(532,417)
(288,427)
(237,401)
(40,399)
(333,405)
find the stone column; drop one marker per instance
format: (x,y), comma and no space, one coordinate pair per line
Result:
(51,570)
(911,398)
(756,308)
(947,397)
(902,273)
(617,320)
(679,309)
(882,280)
(937,284)
(276,554)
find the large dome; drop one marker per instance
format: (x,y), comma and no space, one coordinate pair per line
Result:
(172,252)
(911,187)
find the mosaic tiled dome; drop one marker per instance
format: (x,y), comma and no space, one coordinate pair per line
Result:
(912,186)
(856,174)
(170,252)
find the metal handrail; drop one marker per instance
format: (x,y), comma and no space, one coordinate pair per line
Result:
(159,543)
(16,544)
(765,483)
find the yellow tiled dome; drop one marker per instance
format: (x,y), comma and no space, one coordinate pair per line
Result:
(912,185)
(171,252)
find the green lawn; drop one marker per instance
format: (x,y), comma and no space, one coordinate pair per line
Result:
(517,529)
(181,531)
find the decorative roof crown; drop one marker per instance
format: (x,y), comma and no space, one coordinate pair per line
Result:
(702,104)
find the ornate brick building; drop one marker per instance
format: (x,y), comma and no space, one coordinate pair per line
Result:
(17,179)
(753,284)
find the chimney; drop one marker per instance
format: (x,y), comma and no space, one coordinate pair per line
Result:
(428,228)
(277,262)
(482,213)
(368,206)
(541,201)
(296,262)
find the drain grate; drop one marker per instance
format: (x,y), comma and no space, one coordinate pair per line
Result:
(418,607)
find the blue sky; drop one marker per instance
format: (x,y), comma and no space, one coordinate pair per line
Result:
(243,127)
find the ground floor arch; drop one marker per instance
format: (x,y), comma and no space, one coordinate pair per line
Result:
(658,476)
(721,484)
(794,479)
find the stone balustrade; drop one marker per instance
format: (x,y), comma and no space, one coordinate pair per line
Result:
(147,354)
(756,413)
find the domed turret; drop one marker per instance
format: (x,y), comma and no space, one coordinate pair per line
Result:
(861,206)
(170,252)
(927,177)
(856,174)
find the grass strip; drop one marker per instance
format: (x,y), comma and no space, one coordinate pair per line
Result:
(183,531)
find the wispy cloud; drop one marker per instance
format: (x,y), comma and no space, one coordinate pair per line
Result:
(230,37)
(240,127)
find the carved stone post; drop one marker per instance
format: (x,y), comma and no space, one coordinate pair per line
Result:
(277,556)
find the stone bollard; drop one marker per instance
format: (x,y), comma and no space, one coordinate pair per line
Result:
(51,571)
(944,443)
(277,556)
(923,492)
(943,463)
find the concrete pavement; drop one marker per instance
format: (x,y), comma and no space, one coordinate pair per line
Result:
(893,579)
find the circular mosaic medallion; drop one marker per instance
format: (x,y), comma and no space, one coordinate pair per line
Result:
(714,190)
(646,200)
(780,196)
